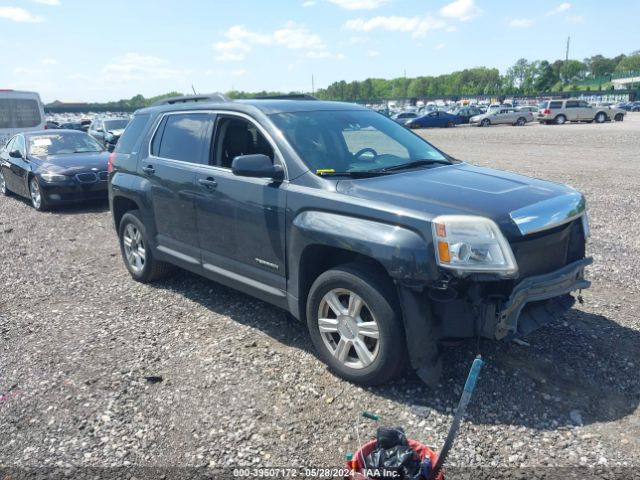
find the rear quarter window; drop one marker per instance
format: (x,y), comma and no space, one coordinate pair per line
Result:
(132,134)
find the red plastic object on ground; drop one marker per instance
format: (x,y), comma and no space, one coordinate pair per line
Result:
(357,463)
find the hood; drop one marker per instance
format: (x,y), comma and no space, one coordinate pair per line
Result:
(462,189)
(72,163)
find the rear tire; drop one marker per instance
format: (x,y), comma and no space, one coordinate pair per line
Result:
(450,124)
(4,190)
(521,122)
(619,117)
(362,338)
(560,120)
(485,123)
(136,249)
(600,117)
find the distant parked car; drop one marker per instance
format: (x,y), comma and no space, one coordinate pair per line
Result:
(72,126)
(54,167)
(434,119)
(108,130)
(562,111)
(19,112)
(465,113)
(51,125)
(503,116)
(634,106)
(402,117)
(528,108)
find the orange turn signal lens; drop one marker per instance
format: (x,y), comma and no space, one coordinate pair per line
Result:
(440,230)
(443,252)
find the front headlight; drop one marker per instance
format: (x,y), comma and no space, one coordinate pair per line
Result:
(53,177)
(466,243)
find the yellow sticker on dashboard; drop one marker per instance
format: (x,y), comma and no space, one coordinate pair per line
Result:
(320,171)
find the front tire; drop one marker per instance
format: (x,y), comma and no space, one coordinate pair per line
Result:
(619,117)
(354,325)
(521,122)
(485,123)
(136,249)
(38,198)
(601,118)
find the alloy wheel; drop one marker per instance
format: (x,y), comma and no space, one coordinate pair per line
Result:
(3,184)
(36,194)
(348,328)
(134,248)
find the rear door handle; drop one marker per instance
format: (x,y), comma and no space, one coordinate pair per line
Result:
(149,170)
(208,183)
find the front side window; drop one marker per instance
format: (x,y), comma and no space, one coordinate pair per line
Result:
(235,137)
(182,137)
(352,141)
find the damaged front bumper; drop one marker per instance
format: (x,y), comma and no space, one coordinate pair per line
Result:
(526,309)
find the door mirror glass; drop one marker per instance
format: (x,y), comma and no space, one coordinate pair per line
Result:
(15,154)
(256,166)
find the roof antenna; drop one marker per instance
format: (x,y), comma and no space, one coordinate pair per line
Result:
(194,90)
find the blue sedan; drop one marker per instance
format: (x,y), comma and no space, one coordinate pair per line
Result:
(434,119)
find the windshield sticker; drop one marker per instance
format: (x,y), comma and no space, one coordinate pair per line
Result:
(320,171)
(41,142)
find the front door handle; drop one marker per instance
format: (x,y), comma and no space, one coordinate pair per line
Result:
(208,183)
(149,170)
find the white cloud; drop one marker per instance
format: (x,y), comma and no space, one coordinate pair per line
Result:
(452,28)
(359,4)
(49,61)
(51,3)
(440,46)
(239,73)
(20,15)
(373,53)
(520,22)
(462,10)
(79,76)
(133,66)
(563,7)
(240,41)
(309,3)
(418,26)
(26,71)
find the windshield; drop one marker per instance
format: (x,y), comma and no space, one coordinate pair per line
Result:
(352,141)
(60,143)
(115,124)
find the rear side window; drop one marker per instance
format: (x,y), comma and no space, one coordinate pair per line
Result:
(555,104)
(183,137)
(132,134)
(572,104)
(19,113)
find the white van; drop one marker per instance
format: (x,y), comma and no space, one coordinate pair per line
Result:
(19,112)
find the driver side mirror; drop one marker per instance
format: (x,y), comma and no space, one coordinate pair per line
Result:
(256,166)
(15,154)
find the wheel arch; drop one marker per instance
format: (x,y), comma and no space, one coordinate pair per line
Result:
(120,206)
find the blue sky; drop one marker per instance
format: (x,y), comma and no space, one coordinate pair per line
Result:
(88,50)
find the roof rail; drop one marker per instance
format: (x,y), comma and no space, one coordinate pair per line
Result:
(291,96)
(208,97)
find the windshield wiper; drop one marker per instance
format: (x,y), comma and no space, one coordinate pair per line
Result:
(353,174)
(414,164)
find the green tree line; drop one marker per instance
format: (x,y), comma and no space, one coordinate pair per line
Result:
(523,77)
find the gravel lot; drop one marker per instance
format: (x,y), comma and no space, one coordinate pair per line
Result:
(240,383)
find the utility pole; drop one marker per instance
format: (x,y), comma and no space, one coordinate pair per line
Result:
(566,57)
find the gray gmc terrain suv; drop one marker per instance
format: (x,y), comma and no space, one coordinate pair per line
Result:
(383,244)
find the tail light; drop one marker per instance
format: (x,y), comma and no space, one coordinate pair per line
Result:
(110,162)
(546,111)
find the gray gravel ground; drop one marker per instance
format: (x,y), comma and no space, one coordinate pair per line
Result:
(240,383)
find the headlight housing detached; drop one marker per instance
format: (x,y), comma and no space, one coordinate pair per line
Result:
(467,244)
(53,177)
